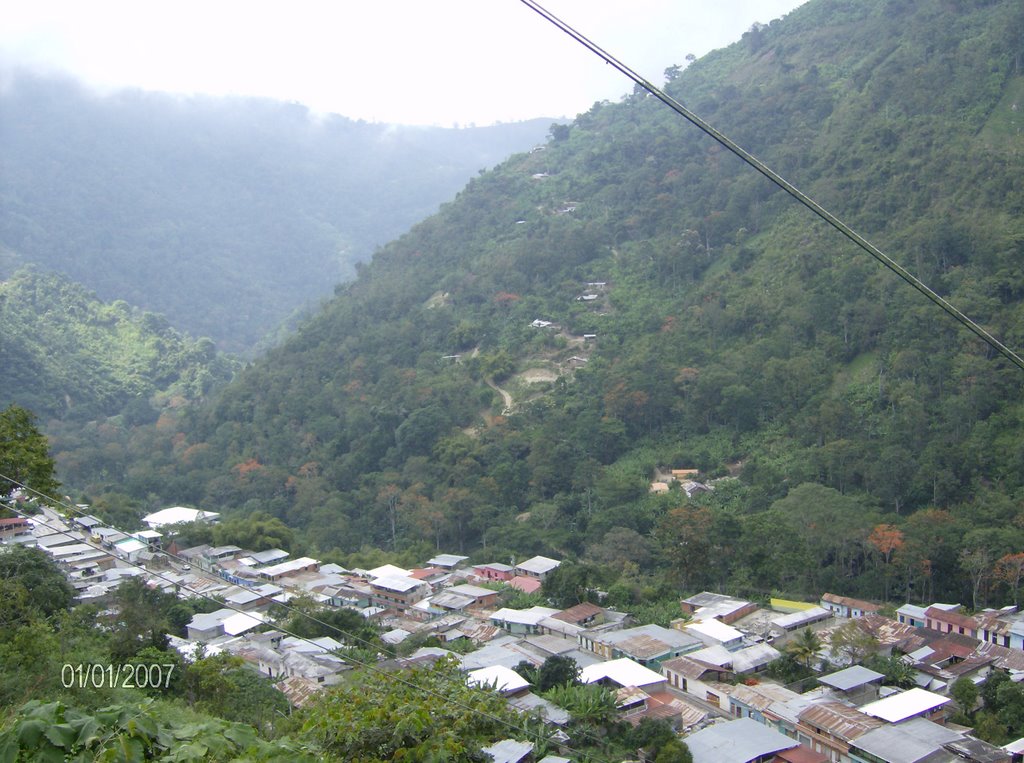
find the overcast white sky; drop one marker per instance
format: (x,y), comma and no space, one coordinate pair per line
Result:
(400,61)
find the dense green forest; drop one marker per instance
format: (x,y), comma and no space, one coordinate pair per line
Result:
(860,441)
(68,356)
(226,215)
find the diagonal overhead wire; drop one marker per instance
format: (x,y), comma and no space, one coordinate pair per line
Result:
(782,183)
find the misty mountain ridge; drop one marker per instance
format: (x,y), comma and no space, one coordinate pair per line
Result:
(224,214)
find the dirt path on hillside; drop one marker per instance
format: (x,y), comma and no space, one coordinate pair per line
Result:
(505,396)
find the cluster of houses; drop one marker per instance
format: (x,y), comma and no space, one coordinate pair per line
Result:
(704,674)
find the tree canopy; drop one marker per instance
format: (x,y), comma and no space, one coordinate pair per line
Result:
(428,713)
(24,454)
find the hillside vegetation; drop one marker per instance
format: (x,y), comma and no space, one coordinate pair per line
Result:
(878,448)
(66,355)
(225,215)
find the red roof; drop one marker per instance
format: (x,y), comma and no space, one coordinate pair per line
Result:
(579,613)
(846,601)
(425,572)
(953,618)
(946,648)
(800,754)
(525,584)
(15,522)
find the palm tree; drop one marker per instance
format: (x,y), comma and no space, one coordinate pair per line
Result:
(805,647)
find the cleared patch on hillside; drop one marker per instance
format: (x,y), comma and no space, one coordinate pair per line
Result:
(536,375)
(437,299)
(1004,130)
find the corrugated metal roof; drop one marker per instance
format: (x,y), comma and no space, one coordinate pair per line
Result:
(846,601)
(953,618)
(753,657)
(907,742)
(579,613)
(907,704)
(737,741)
(690,668)
(1005,658)
(623,671)
(839,720)
(851,678)
(643,646)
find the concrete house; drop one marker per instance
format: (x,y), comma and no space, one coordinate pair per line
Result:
(398,593)
(832,727)
(694,677)
(292,567)
(209,625)
(950,621)
(844,606)
(447,562)
(712,632)
(495,571)
(521,622)
(479,597)
(738,741)
(763,703)
(913,703)
(910,614)
(584,615)
(716,606)
(622,673)
(1004,627)
(15,528)
(176,514)
(856,684)
(648,645)
(919,739)
(538,567)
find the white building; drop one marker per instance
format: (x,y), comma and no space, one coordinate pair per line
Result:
(176,514)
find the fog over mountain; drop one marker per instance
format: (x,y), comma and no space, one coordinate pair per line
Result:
(223,214)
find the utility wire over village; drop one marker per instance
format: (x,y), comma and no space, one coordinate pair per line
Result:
(573,440)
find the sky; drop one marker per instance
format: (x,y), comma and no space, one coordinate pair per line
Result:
(447,62)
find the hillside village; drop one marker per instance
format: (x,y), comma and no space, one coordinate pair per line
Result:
(705,675)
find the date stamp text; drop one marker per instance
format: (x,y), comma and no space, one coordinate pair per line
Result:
(98,676)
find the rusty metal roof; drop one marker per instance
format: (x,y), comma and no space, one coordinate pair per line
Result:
(839,720)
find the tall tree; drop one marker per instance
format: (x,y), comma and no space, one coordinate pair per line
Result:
(805,646)
(887,539)
(24,454)
(31,584)
(853,643)
(557,670)
(1010,569)
(685,536)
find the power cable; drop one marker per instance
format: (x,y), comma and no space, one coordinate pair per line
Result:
(781,182)
(346,657)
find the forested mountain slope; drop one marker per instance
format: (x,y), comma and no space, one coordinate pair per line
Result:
(734,333)
(225,215)
(66,355)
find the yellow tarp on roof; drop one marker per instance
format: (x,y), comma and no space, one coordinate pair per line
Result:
(784,605)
